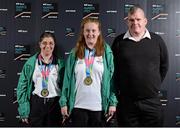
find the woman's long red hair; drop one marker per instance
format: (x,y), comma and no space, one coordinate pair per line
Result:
(81,44)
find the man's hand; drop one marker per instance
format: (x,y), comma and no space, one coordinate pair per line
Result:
(25,120)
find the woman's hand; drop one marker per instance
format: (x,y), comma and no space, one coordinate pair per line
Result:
(64,111)
(112,110)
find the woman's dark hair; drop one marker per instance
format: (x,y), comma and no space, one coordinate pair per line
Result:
(49,34)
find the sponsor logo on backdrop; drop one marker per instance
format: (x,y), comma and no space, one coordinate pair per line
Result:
(2,117)
(177,12)
(2,73)
(3,52)
(159,12)
(70,11)
(2,95)
(70,31)
(177,54)
(3,9)
(111,11)
(126,10)
(90,10)
(51,31)
(176,98)
(177,75)
(178,33)
(111,32)
(22,31)
(160,33)
(3,31)
(21,52)
(23,10)
(14,95)
(49,11)
(178,121)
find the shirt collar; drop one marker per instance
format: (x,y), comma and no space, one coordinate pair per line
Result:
(128,35)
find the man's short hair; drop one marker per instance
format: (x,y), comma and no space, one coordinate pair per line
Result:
(134,8)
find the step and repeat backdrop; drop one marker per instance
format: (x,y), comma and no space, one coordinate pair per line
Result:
(23,21)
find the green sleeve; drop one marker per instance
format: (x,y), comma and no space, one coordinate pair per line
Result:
(22,95)
(112,99)
(66,83)
(61,65)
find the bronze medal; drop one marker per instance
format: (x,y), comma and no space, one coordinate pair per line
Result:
(88,81)
(44,92)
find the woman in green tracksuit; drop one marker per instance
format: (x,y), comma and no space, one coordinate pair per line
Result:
(39,86)
(87,93)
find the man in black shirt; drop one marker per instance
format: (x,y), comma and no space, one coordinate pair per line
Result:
(141,64)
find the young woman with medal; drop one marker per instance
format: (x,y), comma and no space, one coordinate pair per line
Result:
(39,85)
(87,93)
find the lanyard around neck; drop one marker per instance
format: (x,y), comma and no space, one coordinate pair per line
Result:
(45,70)
(89,60)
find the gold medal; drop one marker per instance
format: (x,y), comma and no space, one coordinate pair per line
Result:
(88,80)
(44,92)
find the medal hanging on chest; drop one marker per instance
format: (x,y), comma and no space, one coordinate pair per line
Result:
(45,71)
(89,60)
(44,92)
(88,80)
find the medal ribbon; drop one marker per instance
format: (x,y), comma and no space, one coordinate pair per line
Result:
(45,70)
(89,60)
